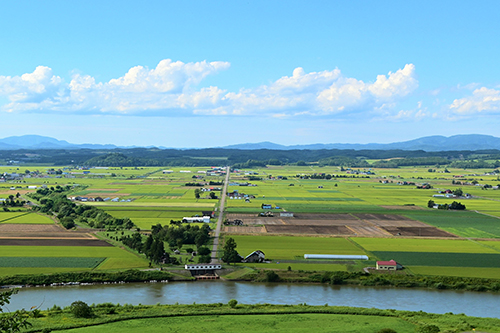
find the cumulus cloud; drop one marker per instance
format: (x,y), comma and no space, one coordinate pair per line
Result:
(482,101)
(171,87)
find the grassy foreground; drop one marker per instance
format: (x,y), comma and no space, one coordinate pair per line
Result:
(252,318)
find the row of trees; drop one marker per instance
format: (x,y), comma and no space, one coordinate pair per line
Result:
(55,201)
(453,206)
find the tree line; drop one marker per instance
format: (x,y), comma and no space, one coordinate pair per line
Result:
(54,201)
(241,158)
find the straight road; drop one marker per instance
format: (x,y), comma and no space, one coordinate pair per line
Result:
(215,259)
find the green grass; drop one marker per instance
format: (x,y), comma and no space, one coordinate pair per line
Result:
(286,247)
(472,272)
(9,271)
(441,259)
(6,216)
(295,266)
(422,245)
(465,224)
(255,323)
(87,262)
(25,218)
(116,258)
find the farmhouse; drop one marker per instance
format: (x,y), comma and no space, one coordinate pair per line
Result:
(255,256)
(390,265)
(208,213)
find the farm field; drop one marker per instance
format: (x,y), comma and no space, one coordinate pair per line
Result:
(289,247)
(60,258)
(424,245)
(24,218)
(367,208)
(482,272)
(490,260)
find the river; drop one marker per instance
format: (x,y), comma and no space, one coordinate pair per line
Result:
(478,304)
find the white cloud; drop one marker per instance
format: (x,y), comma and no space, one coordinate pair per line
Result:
(482,101)
(171,87)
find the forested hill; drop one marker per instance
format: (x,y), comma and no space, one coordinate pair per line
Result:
(249,158)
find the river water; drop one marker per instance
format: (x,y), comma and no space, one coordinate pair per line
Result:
(215,291)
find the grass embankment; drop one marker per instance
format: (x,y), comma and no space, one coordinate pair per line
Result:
(390,279)
(251,318)
(86,277)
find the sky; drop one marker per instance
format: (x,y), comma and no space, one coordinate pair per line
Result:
(215,73)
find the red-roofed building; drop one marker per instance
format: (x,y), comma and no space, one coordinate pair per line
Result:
(390,265)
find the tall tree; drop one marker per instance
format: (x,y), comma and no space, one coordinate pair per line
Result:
(230,254)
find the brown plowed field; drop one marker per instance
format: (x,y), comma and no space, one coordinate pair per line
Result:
(53,242)
(337,224)
(312,230)
(305,216)
(392,223)
(5,227)
(383,217)
(245,230)
(418,232)
(324,222)
(368,231)
(39,231)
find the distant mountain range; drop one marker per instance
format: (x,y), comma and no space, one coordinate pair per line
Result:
(429,143)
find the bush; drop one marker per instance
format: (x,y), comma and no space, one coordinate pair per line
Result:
(203,251)
(271,276)
(81,310)
(232,303)
(386,330)
(428,329)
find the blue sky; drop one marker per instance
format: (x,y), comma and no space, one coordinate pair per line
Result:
(213,73)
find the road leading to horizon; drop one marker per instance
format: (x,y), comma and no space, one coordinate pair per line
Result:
(215,259)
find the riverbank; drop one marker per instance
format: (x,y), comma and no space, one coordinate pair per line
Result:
(366,279)
(109,317)
(254,275)
(59,279)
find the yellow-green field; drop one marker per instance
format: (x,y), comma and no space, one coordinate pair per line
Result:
(24,218)
(116,258)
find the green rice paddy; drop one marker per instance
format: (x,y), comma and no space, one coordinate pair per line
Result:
(24,218)
(87,262)
(287,247)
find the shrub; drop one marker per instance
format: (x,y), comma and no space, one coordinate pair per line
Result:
(232,303)
(81,310)
(386,330)
(428,329)
(271,276)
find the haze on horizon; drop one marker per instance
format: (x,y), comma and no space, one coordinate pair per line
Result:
(202,74)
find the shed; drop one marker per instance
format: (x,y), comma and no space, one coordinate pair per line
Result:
(390,265)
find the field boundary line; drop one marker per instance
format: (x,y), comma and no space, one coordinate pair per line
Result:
(486,214)
(15,217)
(484,245)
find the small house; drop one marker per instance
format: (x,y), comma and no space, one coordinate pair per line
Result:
(255,256)
(390,265)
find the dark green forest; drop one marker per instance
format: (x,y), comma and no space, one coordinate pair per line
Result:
(251,158)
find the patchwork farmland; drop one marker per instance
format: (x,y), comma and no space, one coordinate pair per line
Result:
(356,212)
